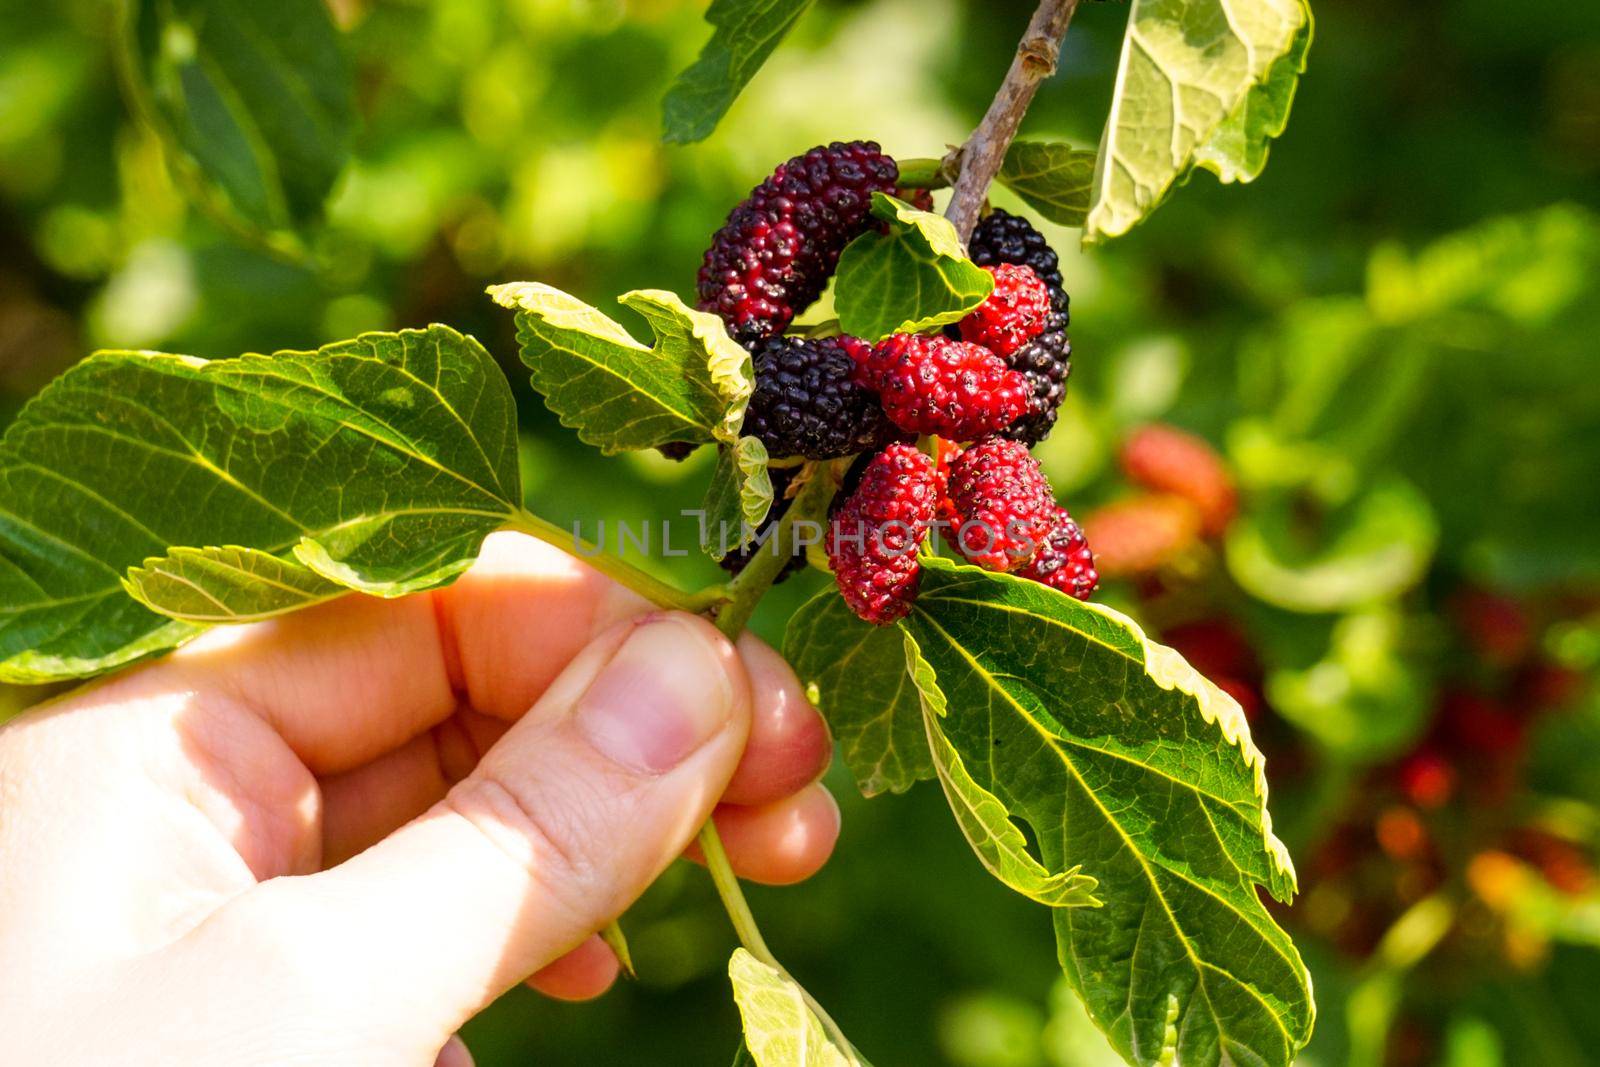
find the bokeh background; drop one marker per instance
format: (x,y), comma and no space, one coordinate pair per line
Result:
(1391,340)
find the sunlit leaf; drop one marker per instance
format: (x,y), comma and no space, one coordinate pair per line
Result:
(259,95)
(780,1027)
(982,816)
(1371,550)
(1120,757)
(1054,179)
(857,675)
(911,278)
(380,463)
(1363,699)
(229,584)
(1237,149)
(746,32)
(618,394)
(1185,95)
(738,498)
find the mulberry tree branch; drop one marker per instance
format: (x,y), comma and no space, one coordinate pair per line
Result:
(980,158)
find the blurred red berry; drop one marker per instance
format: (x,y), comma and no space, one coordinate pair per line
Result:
(1168,460)
(1496,626)
(1140,534)
(1426,779)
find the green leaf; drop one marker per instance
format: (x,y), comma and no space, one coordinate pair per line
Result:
(224,585)
(1184,97)
(1371,550)
(738,498)
(1362,700)
(1237,150)
(742,1058)
(745,34)
(912,278)
(1122,758)
(1054,179)
(856,674)
(259,96)
(780,1027)
(618,394)
(381,463)
(982,816)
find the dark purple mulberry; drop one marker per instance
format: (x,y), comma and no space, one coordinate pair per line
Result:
(775,254)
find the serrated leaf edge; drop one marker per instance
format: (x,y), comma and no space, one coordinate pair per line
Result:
(1070,888)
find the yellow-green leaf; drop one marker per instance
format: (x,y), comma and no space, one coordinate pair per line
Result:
(1054,179)
(1121,758)
(1186,94)
(227,584)
(381,463)
(780,1028)
(982,816)
(692,386)
(738,498)
(856,674)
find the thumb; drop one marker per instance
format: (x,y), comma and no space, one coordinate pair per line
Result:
(563,824)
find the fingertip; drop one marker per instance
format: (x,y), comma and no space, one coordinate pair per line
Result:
(454,1054)
(780,843)
(789,745)
(582,974)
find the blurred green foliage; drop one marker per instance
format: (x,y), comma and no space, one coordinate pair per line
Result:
(1393,334)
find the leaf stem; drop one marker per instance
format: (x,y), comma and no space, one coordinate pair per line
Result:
(980,158)
(809,506)
(773,554)
(653,589)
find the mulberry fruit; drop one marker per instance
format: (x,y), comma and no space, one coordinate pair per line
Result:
(736,561)
(1001,237)
(809,402)
(1004,502)
(1014,314)
(775,254)
(1141,534)
(934,385)
(1168,460)
(876,533)
(1064,561)
(1046,360)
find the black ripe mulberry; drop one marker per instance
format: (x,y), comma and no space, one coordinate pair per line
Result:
(1045,361)
(775,254)
(808,401)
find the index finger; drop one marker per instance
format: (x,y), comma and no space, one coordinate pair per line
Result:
(347,681)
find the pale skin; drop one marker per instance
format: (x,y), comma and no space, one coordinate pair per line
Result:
(334,837)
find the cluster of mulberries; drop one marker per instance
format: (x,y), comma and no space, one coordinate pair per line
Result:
(991,382)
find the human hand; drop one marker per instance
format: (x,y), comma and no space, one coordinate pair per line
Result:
(334,837)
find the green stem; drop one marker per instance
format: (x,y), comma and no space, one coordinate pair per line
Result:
(733,899)
(647,585)
(773,555)
(744,594)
